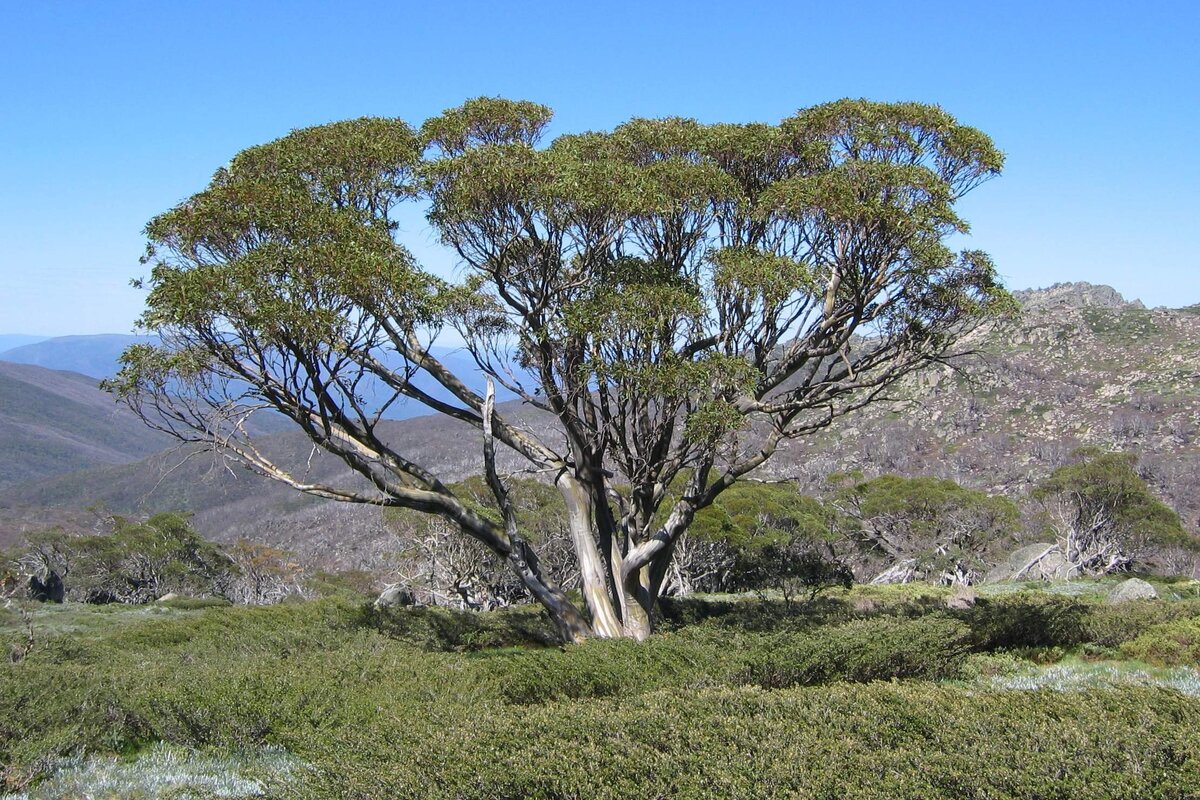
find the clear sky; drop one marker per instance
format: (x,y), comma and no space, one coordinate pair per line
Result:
(111,112)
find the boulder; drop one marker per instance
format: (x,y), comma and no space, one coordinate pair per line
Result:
(395,596)
(49,589)
(1132,589)
(1042,561)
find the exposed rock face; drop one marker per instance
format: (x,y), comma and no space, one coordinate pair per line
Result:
(1042,561)
(395,596)
(48,589)
(1076,295)
(1132,589)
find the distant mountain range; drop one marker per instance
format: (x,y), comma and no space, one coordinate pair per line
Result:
(53,422)
(1081,367)
(99,356)
(95,356)
(10,340)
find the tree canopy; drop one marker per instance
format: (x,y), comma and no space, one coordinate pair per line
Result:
(679,298)
(925,527)
(1103,515)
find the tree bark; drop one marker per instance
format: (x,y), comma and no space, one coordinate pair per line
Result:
(569,624)
(606,623)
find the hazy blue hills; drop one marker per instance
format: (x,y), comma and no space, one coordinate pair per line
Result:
(98,356)
(54,421)
(95,356)
(10,340)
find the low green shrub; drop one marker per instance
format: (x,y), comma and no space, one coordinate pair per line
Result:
(896,741)
(979,666)
(606,668)
(1026,619)
(447,629)
(1112,625)
(193,603)
(1170,643)
(866,650)
(392,712)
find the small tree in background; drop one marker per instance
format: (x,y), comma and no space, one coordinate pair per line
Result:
(765,536)
(1103,516)
(263,574)
(136,563)
(925,528)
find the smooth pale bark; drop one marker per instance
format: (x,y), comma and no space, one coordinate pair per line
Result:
(605,621)
(638,604)
(621,594)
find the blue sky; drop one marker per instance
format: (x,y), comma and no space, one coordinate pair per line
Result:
(112,112)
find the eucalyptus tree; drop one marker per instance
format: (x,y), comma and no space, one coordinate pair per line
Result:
(1103,516)
(680,298)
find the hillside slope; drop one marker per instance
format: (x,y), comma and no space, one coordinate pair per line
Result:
(230,502)
(52,421)
(1080,367)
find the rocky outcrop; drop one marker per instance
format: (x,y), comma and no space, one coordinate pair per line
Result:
(395,596)
(1080,294)
(1132,589)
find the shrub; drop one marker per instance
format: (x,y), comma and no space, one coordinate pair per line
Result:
(1026,619)
(1170,643)
(448,629)
(879,649)
(604,668)
(377,716)
(1112,625)
(880,740)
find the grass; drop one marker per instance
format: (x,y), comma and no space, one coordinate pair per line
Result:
(1074,675)
(163,771)
(876,692)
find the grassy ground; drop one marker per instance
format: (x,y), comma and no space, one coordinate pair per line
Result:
(879,692)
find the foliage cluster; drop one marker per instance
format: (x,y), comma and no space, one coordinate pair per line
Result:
(141,561)
(764,537)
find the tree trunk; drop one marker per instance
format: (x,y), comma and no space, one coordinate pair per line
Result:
(605,621)
(637,603)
